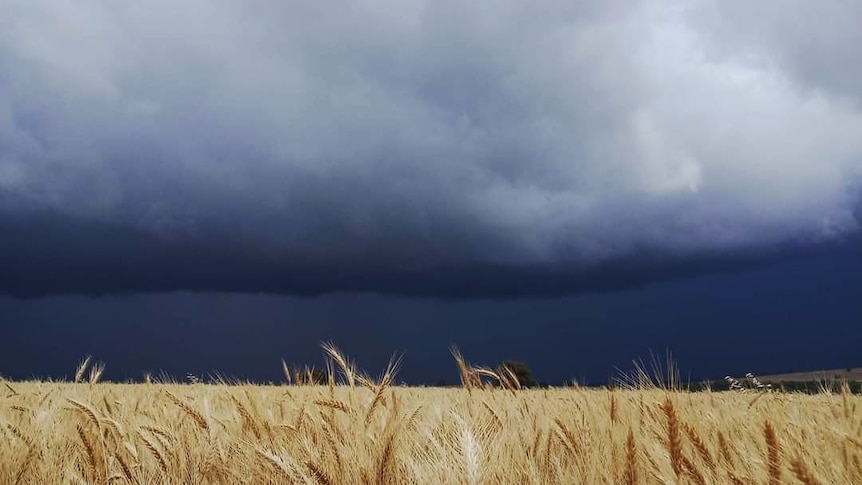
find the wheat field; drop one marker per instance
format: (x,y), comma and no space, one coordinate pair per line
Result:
(361,431)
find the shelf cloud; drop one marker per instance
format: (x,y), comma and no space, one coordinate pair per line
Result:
(451,149)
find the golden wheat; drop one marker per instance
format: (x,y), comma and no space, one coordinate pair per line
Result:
(378,433)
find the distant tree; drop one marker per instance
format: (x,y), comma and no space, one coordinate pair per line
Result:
(521,371)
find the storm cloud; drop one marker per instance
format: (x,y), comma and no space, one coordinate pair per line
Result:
(422,148)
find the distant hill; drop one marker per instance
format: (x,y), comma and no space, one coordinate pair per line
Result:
(853,375)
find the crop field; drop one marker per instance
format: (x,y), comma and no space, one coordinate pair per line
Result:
(361,431)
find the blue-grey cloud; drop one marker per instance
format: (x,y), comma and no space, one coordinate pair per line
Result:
(353,145)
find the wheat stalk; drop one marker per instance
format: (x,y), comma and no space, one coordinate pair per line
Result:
(127,471)
(723,446)
(674,441)
(334,404)
(802,472)
(160,459)
(471,452)
(82,369)
(630,477)
(287,469)
(385,462)
(773,451)
(737,480)
(11,389)
(570,438)
(248,421)
(90,451)
(463,369)
(494,415)
(29,459)
(96,372)
(699,446)
(693,472)
(346,368)
(318,473)
(193,413)
(21,436)
(88,412)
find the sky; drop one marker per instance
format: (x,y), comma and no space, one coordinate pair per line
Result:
(220,184)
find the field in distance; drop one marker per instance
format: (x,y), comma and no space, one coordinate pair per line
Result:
(830,375)
(374,433)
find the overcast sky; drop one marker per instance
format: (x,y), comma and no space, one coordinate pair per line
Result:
(446,149)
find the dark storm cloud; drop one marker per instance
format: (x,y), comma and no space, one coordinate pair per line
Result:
(760,321)
(436,148)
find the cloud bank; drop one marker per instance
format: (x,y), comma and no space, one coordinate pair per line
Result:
(439,148)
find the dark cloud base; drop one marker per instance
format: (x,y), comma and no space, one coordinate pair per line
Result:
(46,255)
(791,315)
